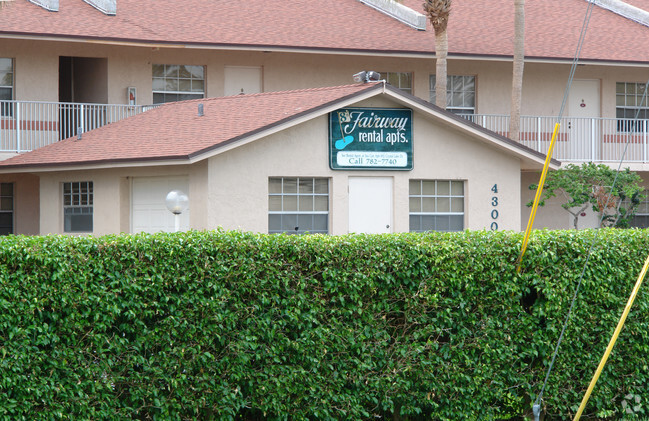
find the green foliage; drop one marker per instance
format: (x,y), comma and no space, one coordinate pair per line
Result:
(590,185)
(230,325)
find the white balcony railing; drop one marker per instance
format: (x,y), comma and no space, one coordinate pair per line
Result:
(29,125)
(578,139)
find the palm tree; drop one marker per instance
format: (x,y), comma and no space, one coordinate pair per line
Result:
(517,73)
(438,12)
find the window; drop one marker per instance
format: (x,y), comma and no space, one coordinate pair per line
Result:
(399,80)
(460,94)
(298,205)
(6,85)
(6,208)
(174,82)
(77,206)
(436,205)
(630,104)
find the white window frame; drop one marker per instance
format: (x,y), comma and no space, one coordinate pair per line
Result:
(287,202)
(161,81)
(629,104)
(452,94)
(399,80)
(78,200)
(417,196)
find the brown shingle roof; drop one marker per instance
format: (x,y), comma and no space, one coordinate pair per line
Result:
(476,27)
(174,131)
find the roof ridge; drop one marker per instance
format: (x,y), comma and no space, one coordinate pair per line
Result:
(292,91)
(271,93)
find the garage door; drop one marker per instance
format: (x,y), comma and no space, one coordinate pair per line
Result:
(148,210)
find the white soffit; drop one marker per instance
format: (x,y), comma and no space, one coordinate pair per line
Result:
(624,9)
(399,12)
(51,5)
(108,7)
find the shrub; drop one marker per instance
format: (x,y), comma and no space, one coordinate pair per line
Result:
(231,325)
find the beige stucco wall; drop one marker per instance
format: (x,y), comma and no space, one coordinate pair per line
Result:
(112,195)
(550,216)
(36,78)
(26,202)
(37,62)
(238,179)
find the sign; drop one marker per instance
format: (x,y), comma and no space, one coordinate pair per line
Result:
(370,139)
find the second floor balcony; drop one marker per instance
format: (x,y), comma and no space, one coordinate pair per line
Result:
(29,125)
(606,140)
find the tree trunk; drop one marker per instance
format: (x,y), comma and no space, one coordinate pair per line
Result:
(517,73)
(441,51)
(576,215)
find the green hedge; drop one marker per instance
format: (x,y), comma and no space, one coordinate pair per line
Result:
(230,325)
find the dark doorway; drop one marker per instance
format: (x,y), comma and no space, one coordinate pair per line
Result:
(82,80)
(6,208)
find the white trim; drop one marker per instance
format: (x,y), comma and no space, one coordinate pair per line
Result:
(107,7)
(477,133)
(625,10)
(99,166)
(399,12)
(51,5)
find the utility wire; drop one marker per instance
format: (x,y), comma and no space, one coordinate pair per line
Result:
(536,407)
(539,190)
(609,348)
(537,404)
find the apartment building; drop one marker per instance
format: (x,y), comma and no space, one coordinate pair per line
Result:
(71,66)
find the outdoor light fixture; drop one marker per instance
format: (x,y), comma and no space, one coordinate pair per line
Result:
(176,202)
(367,76)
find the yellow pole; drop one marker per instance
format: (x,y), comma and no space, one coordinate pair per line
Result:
(611,343)
(537,198)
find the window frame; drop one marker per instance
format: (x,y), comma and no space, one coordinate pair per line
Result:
(421,195)
(82,207)
(296,212)
(626,124)
(450,92)
(398,77)
(166,78)
(7,109)
(3,201)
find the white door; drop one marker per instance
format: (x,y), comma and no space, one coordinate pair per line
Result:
(370,205)
(583,128)
(149,212)
(242,80)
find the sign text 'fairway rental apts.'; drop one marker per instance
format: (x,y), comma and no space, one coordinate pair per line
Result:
(370,139)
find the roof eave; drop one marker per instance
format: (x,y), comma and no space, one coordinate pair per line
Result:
(471,128)
(204,153)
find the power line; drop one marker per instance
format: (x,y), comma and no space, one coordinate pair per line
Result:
(536,408)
